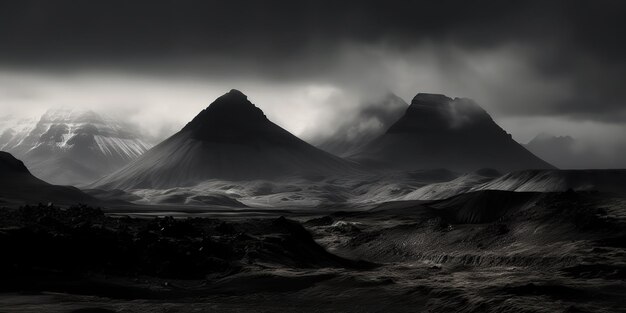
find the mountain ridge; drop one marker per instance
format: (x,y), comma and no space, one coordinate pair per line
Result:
(19,186)
(371,119)
(64,144)
(437,131)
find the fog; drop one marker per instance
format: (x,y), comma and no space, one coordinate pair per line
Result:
(317,68)
(316,104)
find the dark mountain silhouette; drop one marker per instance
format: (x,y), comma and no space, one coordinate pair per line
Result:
(439,132)
(19,186)
(12,169)
(231,139)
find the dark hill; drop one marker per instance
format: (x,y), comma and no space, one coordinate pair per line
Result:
(19,186)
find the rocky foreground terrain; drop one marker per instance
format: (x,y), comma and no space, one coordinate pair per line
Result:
(483,251)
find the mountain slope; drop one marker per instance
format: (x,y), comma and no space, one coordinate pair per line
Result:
(370,120)
(542,181)
(613,181)
(440,132)
(231,139)
(451,188)
(73,147)
(558,150)
(569,153)
(19,186)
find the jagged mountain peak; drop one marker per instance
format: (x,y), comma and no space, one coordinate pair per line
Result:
(74,115)
(64,143)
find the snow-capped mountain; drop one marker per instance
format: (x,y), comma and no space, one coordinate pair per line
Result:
(72,147)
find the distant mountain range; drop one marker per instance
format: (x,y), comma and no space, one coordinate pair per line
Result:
(440,132)
(558,150)
(568,153)
(72,147)
(231,155)
(231,139)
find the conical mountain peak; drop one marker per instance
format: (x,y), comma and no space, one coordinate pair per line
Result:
(233,106)
(232,102)
(231,116)
(231,139)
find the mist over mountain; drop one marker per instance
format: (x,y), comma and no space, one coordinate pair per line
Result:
(72,147)
(330,186)
(562,151)
(440,132)
(231,139)
(368,121)
(570,153)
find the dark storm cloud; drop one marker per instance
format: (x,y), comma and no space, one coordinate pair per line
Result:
(577,44)
(275,29)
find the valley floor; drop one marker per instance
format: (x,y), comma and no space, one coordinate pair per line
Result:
(489,251)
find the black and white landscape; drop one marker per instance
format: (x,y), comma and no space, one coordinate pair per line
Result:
(312,157)
(72,147)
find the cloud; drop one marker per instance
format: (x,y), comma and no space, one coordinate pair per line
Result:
(562,58)
(162,105)
(314,65)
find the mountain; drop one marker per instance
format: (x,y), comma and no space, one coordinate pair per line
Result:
(231,139)
(13,131)
(569,153)
(72,147)
(558,150)
(19,186)
(370,120)
(440,132)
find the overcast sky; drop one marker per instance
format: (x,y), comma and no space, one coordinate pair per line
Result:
(536,66)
